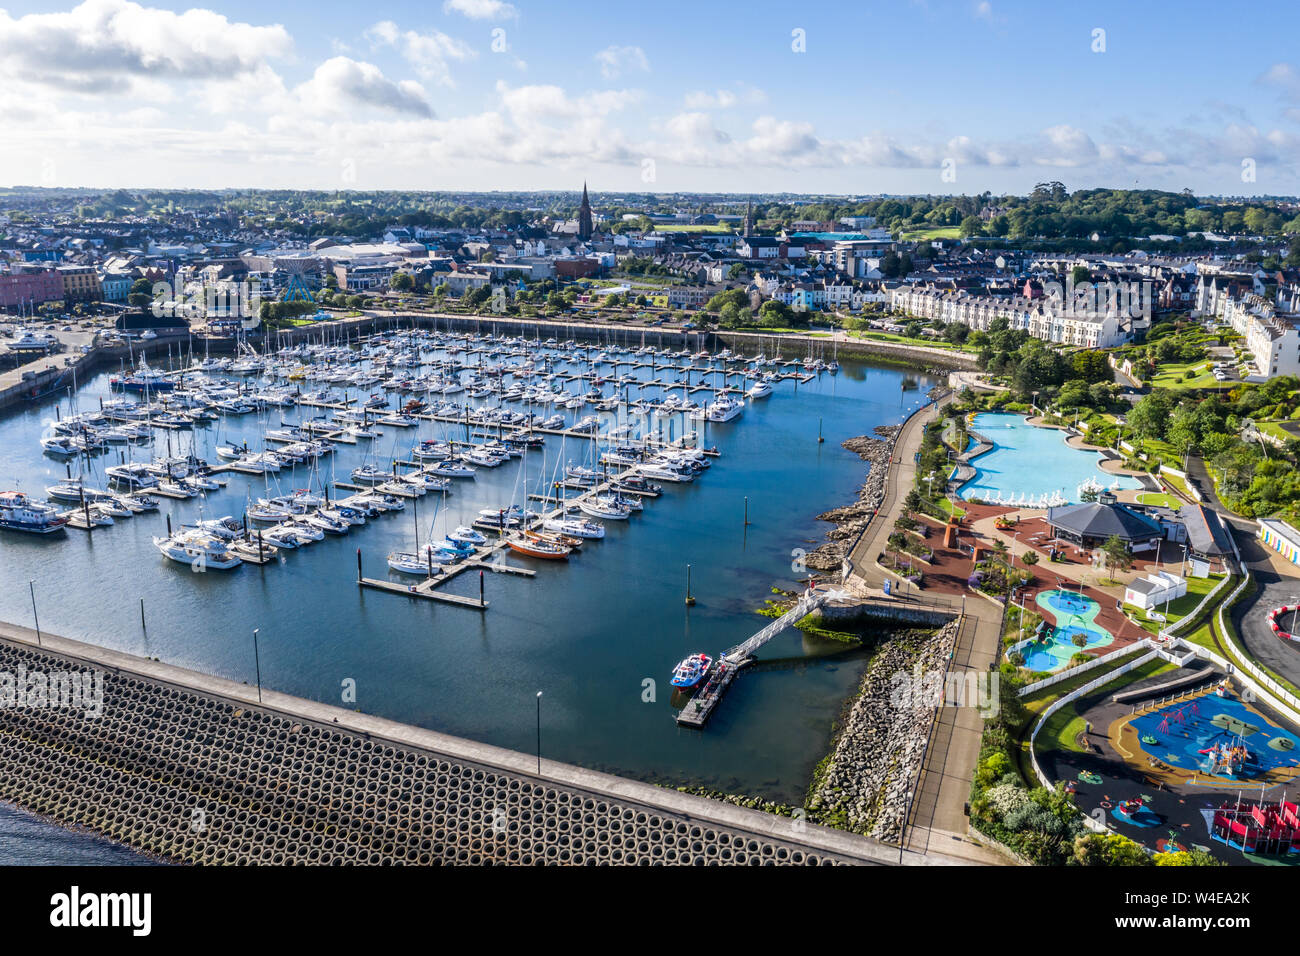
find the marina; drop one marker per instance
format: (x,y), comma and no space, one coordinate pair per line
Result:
(538,617)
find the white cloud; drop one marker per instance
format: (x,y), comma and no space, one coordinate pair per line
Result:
(481,9)
(984,10)
(428,53)
(112,46)
(1284,77)
(340,82)
(528,104)
(614,60)
(1067,146)
(724,99)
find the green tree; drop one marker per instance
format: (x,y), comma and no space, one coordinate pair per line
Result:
(401,282)
(1116,554)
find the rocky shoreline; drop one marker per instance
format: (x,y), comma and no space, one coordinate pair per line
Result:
(863,784)
(851,519)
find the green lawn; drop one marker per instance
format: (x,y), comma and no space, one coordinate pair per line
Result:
(1275,430)
(1170,376)
(1062,727)
(904,340)
(1159,500)
(937,232)
(685,227)
(1197,588)
(1175,482)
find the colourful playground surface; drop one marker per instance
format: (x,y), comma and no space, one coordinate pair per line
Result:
(1074,614)
(1147,783)
(1219,738)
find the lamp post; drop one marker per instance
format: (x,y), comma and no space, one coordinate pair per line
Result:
(31,586)
(257,662)
(539,732)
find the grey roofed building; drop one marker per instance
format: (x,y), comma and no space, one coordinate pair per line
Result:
(1207,536)
(1092,523)
(1146,586)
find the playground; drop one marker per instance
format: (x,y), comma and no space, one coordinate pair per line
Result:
(1053,645)
(1202,770)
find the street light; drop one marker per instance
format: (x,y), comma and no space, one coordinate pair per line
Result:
(539,732)
(31,586)
(258,663)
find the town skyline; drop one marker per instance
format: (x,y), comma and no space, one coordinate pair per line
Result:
(928,98)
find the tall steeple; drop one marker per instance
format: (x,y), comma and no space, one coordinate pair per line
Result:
(749,218)
(585,226)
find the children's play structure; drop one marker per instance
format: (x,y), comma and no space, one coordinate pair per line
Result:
(1259,827)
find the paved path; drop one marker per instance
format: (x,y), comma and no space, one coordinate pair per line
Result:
(938,822)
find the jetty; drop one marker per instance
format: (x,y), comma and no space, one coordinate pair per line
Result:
(700,707)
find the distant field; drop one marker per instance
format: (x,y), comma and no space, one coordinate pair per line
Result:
(683,227)
(939,232)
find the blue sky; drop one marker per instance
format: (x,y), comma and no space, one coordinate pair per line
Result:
(902,97)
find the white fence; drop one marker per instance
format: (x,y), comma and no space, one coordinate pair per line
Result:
(1057,704)
(1071,672)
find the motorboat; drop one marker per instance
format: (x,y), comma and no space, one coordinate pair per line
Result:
(370,475)
(327,522)
(74,490)
(574,527)
(431,450)
(464,535)
(452,469)
(132,476)
(691,670)
(199,549)
(59,445)
(18,512)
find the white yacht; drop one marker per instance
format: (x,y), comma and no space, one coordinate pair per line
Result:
(199,549)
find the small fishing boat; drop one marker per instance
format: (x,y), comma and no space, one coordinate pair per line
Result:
(691,670)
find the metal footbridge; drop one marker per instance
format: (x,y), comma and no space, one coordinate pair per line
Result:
(698,708)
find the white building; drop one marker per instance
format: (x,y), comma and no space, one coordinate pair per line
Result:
(1045,319)
(1155,589)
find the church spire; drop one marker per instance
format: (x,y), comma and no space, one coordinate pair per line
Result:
(585,225)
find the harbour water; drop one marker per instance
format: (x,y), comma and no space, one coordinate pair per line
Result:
(598,634)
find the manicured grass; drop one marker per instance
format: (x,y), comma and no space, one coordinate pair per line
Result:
(950,508)
(936,232)
(904,340)
(1061,731)
(1175,482)
(1170,376)
(1158,500)
(1037,703)
(1275,430)
(685,227)
(1197,588)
